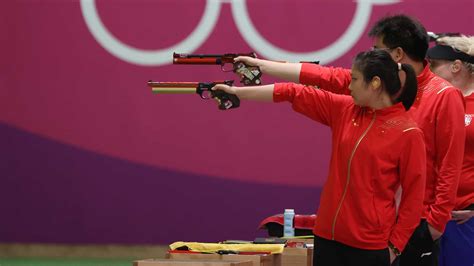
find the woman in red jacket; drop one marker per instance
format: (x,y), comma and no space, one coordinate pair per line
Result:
(376,147)
(455,63)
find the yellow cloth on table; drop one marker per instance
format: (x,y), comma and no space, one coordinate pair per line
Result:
(214,247)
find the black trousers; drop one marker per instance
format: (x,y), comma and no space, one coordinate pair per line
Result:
(333,253)
(420,249)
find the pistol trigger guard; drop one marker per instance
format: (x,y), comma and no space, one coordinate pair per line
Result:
(225,70)
(199,91)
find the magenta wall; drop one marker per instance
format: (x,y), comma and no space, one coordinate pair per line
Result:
(89,155)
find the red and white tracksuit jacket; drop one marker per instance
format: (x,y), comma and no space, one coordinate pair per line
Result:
(373,152)
(439,111)
(465,195)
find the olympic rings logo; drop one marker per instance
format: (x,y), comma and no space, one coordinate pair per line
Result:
(244,24)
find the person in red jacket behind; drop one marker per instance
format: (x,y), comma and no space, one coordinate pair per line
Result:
(376,147)
(438,110)
(457,67)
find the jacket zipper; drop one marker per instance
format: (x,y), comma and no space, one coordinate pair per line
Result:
(349,174)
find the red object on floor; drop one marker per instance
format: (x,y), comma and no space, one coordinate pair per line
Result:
(300,221)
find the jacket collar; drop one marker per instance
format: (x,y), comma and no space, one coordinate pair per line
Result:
(425,76)
(395,109)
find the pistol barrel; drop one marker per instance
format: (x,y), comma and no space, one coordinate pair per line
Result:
(198,61)
(173,87)
(207,59)
(173,90)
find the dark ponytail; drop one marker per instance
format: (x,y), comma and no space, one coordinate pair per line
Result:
(379,63)
(409,90)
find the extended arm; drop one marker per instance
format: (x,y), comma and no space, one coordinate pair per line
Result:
(333,79)
(283,70)
(319,105)
(256,93)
